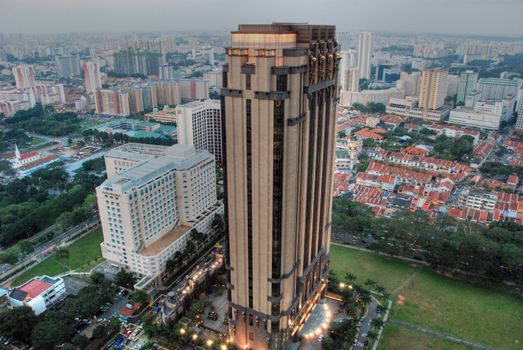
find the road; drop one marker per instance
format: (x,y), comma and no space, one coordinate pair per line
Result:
(366,325)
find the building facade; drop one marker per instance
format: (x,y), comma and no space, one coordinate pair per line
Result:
(112,102)
(153,197)
(199,124)
(496,88)
(278,110)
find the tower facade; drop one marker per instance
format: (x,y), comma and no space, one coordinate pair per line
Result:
(278,119)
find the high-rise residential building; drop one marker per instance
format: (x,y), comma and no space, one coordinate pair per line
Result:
(168,92)
(519,121)
(350,82)
(67,66)
(214,77)
(278,116)
(112,102)
(92,78)
(496,88)
(199,124)
(364,54)
(24,76)
(194,89)
(137,62)
(167,72)
(152,199)
(468,81)
(433,88)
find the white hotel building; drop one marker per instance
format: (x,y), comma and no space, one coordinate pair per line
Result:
(153,197)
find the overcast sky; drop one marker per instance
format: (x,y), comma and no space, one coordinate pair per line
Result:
(491,17)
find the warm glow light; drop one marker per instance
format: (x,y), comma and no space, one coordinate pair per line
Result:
(342,285)
(350,286)
(194,336)
(209,343)
(182,331)
(223,347)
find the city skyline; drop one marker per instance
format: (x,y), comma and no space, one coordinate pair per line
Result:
(483,17)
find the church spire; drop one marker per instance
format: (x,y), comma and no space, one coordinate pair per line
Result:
(17,152)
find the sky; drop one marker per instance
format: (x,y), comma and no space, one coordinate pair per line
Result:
(479,17)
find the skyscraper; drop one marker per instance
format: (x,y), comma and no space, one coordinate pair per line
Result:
(67,66)
(467,82)
(24,76)
(433,88)
(278,118)
(92,78)
(364,54)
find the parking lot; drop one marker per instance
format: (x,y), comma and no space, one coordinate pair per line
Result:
(131,336)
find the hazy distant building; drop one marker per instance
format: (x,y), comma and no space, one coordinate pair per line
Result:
(137,62)
(24,76)
(279,103)
(167,72)
(364,54)
(409,83)
(468,81)
(433,88)
(67,66)
(92,77)
(199,124)
(496,88)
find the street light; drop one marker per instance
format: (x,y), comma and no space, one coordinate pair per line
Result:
(209,343)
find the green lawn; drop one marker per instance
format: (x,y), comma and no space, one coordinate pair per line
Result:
(82,252)
(478,314)
(399,338)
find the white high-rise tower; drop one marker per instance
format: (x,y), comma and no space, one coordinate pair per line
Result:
(364,54)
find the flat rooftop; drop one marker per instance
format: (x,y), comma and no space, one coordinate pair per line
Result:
(166,240)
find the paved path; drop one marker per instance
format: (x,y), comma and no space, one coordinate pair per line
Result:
(403,284)
(439,334)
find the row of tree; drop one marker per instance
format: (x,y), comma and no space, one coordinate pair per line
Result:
(35,202)
(107,140)
(494,252)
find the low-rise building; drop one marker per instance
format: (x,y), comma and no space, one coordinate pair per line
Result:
(39,294)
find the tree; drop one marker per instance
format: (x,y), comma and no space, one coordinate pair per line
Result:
(53,330)
(26,247)
(17,323)
(80,341)
(377,323)
(139,297)
(97,278)
(100,332)
(124,279)
(217,222)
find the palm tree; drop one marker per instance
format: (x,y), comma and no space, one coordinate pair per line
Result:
(349,277)
(377,322)
(370,283)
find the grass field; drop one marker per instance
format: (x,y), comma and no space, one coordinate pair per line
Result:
(477,314)
(81,253)
(399,338)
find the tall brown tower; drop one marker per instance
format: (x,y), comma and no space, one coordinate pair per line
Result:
(278,117)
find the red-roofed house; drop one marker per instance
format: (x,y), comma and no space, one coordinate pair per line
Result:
(39,294)
(366,134)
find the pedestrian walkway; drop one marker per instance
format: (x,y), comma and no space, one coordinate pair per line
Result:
(440,335)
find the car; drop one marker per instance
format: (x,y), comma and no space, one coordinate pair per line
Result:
(366,342)
(364,335)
